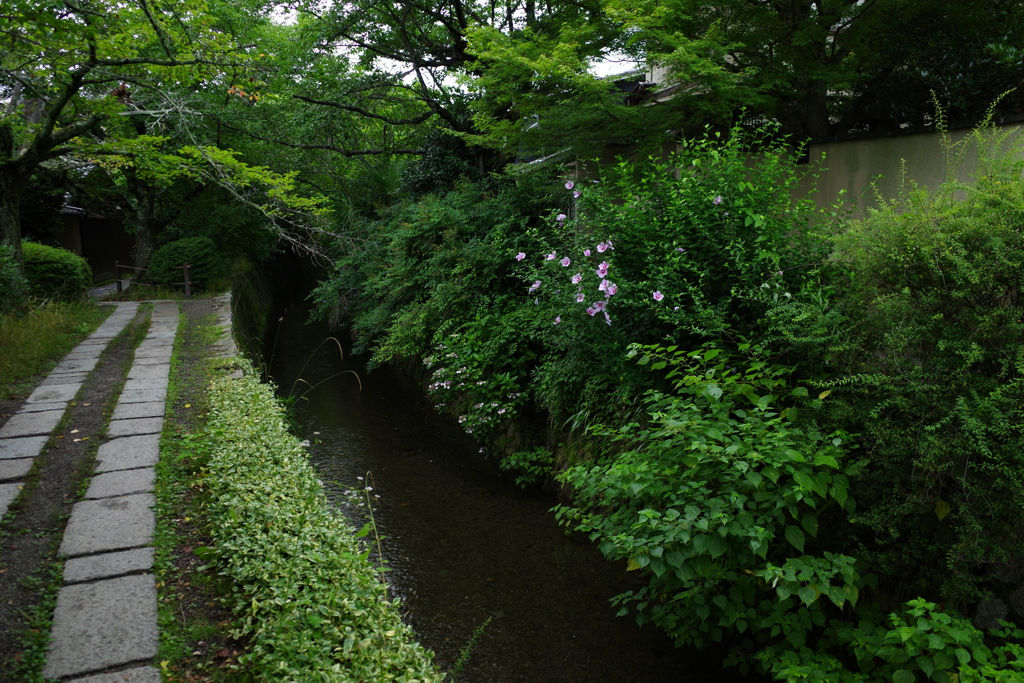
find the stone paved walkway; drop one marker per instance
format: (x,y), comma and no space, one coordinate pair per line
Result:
(106,613)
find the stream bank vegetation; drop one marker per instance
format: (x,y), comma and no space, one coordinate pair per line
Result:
(305,597)
(803,429)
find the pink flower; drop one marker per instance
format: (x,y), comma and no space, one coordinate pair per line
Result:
(576,278)
(558,319)
(607,318)
(520,256)
(602,270)
(717,200)
(580,296)
(658,296)
(576,194)
(551,257)
(569,185)
(601,248)
(591,311)
(586,252)
(565,262)
(599,305)
(560,217)
(534,287)
(610,290)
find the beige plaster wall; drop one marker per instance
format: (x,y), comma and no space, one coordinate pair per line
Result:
(855,167)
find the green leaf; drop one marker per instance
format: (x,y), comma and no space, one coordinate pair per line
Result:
(795,537)
(963,655)
(808,595)
(904,676)
(942,508)
(362,533)
(799,391)
(810,524)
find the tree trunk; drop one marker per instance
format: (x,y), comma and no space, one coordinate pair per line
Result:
(11,188)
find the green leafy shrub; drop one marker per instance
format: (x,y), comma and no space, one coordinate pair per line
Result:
(721,502)
(13,287)
(206,264)
(936,384)
(309,602)
(54,273)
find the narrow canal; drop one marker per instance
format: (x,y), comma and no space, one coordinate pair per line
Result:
(463,543)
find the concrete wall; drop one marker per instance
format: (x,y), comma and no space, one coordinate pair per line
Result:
(856,166)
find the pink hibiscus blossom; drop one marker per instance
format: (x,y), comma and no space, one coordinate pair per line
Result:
(569,185)
(565,262)
(576,278)
(534,287)
(586,252)
(520,256)
(658,296)
(551,257)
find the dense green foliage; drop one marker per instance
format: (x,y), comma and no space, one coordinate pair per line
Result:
(54,273)
(205,262)
(13,287)
(820,441)
(308,601)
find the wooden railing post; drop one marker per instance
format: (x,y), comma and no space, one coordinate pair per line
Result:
(188,285)
(117,277)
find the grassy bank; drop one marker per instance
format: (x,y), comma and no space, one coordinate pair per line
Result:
(34,342)
(304,597)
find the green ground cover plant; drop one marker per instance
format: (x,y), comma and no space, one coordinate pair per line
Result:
(306,598)
(34,342)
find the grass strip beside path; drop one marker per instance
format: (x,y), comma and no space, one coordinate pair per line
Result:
(306,599)
(34,342)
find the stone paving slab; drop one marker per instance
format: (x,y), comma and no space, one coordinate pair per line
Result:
(154,352)
(90,343)
(160,371)
(108,565)
(15,469)
(39,407)
(103,624)
(127,411)
(8,492)
(142,396)
(135,426)
(25,447)
(153,383)
(158,360)
(90,352)
(65,378)
(160,343)
(98,526)
(129,452)
(121,483)
(140,674)
(54,393)
(30,424)
(80,365)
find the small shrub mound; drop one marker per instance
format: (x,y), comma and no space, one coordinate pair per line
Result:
(54,273)
(200,253)
(13,287)
(307,599)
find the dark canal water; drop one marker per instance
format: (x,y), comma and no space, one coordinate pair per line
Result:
(463,542)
